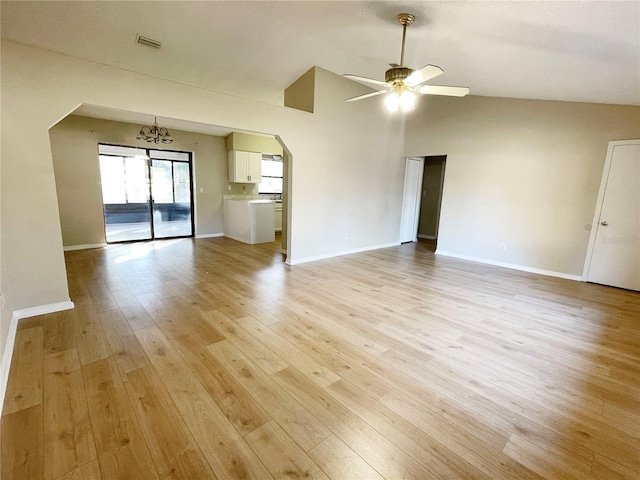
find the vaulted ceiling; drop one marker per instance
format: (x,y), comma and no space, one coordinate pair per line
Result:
(559,50)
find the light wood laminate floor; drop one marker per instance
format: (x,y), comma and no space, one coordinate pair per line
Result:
(209,358)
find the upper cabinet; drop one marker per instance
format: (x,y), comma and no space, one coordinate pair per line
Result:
(245,167)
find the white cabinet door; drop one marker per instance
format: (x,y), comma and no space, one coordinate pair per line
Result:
(278,217)
(238,166)
(245,167)
(254,167)
(616,252)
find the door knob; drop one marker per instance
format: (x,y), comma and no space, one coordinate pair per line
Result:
(604,224)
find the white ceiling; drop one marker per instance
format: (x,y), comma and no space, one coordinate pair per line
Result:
(560,50)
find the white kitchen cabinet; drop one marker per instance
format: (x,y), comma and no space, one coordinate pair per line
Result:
(245,167)
(249,221)
(278,217)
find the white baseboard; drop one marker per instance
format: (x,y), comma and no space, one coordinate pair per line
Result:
(429,237)
(209,235)
(11,338)
(84,247)
(512,266)
(344,252)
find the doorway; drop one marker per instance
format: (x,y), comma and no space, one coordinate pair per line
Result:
(424,180)
(431,198)
(146,194)
(613,257)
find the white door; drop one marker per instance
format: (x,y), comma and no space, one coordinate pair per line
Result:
(411,200)
(616,250)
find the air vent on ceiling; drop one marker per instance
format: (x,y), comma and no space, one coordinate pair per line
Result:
(149,42)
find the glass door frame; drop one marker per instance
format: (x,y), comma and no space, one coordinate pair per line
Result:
(149,161)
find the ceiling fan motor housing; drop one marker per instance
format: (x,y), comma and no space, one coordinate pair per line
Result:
(397,74)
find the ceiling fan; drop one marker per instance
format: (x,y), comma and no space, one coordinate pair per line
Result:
(403,83)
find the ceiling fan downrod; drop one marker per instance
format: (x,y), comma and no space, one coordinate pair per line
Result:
(405,19)
(396,75)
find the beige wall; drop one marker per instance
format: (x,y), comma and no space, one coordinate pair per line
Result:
(301,93)
(74,148)
(253,143)
(524,173)
(430,193)
(333,153)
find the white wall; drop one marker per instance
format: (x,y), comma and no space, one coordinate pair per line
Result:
(346,160)
(524,173)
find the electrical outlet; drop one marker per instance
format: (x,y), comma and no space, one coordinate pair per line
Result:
(503,246)
(346,236)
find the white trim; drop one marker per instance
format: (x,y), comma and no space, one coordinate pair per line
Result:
(430,237)
(43,309)
(6,358)
(418,199)
(209,235)
(596,216)
(11,338)
(84,247)
(169,155)
(339,254)
(512,266)
(117,150)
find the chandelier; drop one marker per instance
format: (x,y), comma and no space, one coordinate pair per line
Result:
(155,134)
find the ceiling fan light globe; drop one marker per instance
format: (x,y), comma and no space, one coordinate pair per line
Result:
(407,101)
(392,102)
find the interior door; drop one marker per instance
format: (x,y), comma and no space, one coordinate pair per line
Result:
(615,259)
(411,200)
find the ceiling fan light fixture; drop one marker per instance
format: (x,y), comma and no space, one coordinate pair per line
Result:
(392,102)
(403,84)
(407,101)
(404,101)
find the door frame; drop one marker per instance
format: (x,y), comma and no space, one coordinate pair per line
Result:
(192,185)
(418,198)
(595,224)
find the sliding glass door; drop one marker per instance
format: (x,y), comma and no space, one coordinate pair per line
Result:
(146,194)
(171,193)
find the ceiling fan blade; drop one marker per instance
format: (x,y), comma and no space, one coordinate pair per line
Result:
(442,90)
(360,79)
(366,95)
(425,73)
